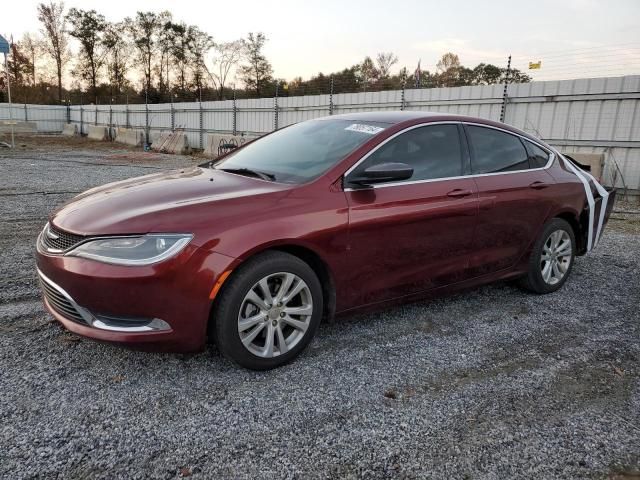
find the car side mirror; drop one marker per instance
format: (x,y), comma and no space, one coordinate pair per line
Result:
(381,173)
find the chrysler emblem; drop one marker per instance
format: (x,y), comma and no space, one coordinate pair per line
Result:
(51,235)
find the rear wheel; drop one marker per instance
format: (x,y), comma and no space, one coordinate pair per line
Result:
(552,258)
(268,312)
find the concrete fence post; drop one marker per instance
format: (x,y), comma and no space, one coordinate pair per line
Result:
(68,111)
(96,117)
(402,97)
(26,115)
(173,116)
(81,119)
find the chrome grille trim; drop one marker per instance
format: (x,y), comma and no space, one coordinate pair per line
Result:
(62,303)
(54,240)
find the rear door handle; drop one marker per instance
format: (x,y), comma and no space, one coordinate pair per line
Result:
(538,185)
(458,193)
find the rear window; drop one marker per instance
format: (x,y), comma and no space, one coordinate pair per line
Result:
(303,152)
(496,151)
(538,157)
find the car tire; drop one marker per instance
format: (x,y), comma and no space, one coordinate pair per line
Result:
(279,335)
(548,268)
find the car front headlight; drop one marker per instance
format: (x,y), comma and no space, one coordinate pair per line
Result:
(134,250)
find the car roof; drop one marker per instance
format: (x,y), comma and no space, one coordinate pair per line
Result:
(385,116)
(401,116)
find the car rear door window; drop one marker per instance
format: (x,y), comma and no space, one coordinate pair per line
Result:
(432,151)
(496,151)
(538,157)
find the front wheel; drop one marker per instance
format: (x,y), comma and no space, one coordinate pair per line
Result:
(552,258)
(268,311)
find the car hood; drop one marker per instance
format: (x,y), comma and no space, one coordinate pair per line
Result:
(174,201)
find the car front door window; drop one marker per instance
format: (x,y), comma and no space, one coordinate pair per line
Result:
(432,151)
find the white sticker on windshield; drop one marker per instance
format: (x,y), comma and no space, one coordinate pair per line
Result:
(368,129)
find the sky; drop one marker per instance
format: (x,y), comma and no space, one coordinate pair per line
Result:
(304,38)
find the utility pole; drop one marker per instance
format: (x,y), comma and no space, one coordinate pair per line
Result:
(504,93)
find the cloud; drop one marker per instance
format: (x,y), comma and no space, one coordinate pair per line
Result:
(432,51)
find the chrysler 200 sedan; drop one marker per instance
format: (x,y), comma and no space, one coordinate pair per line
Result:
(323,217)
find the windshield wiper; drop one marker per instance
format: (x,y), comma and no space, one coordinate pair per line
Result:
(251,173)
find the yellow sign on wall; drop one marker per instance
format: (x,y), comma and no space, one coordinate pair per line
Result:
(535,65)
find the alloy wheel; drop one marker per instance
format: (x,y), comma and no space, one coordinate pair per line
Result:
(275,314)
(557,254)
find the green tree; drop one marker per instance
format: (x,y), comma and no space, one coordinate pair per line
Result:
(88,27)
(145,30)
(56,39)
(257,72)
(368,73)
(117,55)
(199,46)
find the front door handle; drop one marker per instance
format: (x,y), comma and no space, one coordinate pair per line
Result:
(458,193)
(538,185)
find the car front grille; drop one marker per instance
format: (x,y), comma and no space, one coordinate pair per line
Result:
(57,240)
(59,301)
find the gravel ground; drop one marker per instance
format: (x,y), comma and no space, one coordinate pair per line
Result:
(493,383)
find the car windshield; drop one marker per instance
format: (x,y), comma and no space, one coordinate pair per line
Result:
(301,152)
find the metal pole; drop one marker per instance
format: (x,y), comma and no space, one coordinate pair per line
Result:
(26,115)
(146,115)
(201,121)
(235,113)
(126,112)
(275,110)
(81,116)
(504,93)
(111,119)
(6,69)
(173,116)
(402,99)
(331,97)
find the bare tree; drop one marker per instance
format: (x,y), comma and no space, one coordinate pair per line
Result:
(228,54)
(54,30)
(31,46)
(385,61)
(448,60)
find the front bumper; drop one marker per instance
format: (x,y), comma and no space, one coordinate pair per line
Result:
(162,307)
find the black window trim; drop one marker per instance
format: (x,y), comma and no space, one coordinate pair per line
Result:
(466,155)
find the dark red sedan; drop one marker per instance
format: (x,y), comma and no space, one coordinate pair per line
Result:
(322,217)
